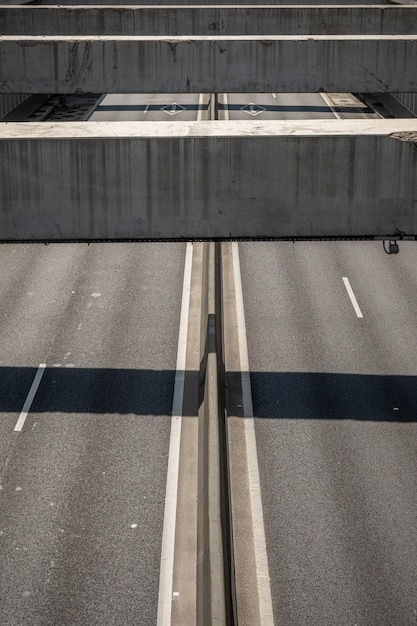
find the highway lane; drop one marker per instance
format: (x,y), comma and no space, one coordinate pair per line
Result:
(335,403)
(83,484)
(291,106)
(152,107)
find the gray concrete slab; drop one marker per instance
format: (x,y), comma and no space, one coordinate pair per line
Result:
(209,64)
(208,20)
(189,180)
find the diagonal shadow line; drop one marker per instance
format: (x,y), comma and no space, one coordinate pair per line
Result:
(276,395)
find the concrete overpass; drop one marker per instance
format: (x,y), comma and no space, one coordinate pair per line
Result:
(98,180)
(209,20)
(308,63)
(215,179)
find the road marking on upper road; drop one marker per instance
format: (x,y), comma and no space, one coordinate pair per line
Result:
(261,557)
(253,109)
(171,493)
(352,297)
(28,402)
(173,108)
(200,107)
(225,107)
(330,105)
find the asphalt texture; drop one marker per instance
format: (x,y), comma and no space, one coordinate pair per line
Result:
(335,405)
(291,106)
(83,484)
(150,108)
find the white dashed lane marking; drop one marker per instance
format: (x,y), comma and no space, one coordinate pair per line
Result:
(28,402)
(352,297)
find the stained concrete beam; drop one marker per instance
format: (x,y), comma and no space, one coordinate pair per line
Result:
(209,20)
(191,180)
(310,63)
(243,3)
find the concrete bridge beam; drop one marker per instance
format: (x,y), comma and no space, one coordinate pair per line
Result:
(63,64)
(191,180)
(209,20)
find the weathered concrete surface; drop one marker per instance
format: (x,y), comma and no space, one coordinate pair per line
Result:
(209,20)
(268,63)
(98,180)
(197,2)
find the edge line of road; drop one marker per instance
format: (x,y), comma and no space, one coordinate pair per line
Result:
(200,107)
(170,512)
(225,107)
(261,557)
(329,103)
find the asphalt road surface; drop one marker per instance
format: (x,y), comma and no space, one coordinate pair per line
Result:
(83,482)
(151,107)
(292,106)
(335,406)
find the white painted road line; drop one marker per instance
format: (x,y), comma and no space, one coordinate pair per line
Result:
(330,105)
(32,392)
(225,107)
(170,513)
(261,557)
(352,297)
(200,107)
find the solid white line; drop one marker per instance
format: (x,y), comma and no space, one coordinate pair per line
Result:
(226,107)
(29,399)
(200,107)
(171,493)
(330,105)
(352,297)
(261,557)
